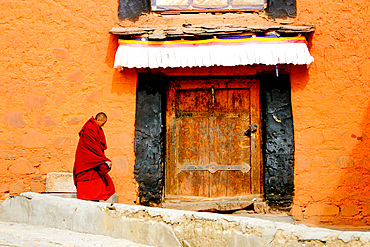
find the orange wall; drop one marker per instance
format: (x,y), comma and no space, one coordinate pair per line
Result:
(56,72)
(331,112)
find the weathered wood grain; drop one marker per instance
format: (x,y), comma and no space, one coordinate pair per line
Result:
(256,140)
(170,187)
(239,103)
(207,120)
(191,31)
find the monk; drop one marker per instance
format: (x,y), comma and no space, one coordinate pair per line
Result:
(91,167)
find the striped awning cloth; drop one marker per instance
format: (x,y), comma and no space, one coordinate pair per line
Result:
(220,51)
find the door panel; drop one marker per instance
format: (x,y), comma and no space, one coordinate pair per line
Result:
(188,148)
(208,154)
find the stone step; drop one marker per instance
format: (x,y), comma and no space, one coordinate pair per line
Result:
(61,184)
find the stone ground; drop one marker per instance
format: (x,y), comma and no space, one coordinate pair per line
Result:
(20,234)
(273,217)
(283,217)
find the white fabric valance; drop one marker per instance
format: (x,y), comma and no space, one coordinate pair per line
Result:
(230,51)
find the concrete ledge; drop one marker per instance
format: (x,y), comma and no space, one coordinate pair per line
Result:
(168,227)
(112,199)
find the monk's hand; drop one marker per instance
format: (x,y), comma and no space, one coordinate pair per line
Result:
(109,164)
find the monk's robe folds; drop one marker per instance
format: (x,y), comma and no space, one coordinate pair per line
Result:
(90,172)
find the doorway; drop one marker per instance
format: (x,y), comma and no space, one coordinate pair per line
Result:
(213,139)
(152,135)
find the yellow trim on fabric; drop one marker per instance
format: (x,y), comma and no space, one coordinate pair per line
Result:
(214,40)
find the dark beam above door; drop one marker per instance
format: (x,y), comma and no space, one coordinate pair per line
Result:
(207,30)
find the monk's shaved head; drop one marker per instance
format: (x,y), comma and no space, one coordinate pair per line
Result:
(101,119)
(101,116)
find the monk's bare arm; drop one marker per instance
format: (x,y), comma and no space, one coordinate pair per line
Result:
(109,164)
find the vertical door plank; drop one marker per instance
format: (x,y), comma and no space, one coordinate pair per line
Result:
(170,171)
(184,137)
(190,183)
(219,142)
(239,104)
(185,150)
(256,143)
(202,158)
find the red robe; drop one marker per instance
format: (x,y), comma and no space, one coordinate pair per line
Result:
(90,172)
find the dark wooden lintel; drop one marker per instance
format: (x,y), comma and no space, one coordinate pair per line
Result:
(178,32)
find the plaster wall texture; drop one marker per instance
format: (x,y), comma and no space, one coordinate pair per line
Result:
(56,72)
(331,109)
(167,227)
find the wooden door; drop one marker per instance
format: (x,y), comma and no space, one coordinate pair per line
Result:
(211,150)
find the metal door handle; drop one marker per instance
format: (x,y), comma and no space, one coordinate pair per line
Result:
(251,129)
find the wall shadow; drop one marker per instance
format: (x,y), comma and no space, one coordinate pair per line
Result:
(346,206)
(123,81)
(353,192)
(111,50)
(299,77)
